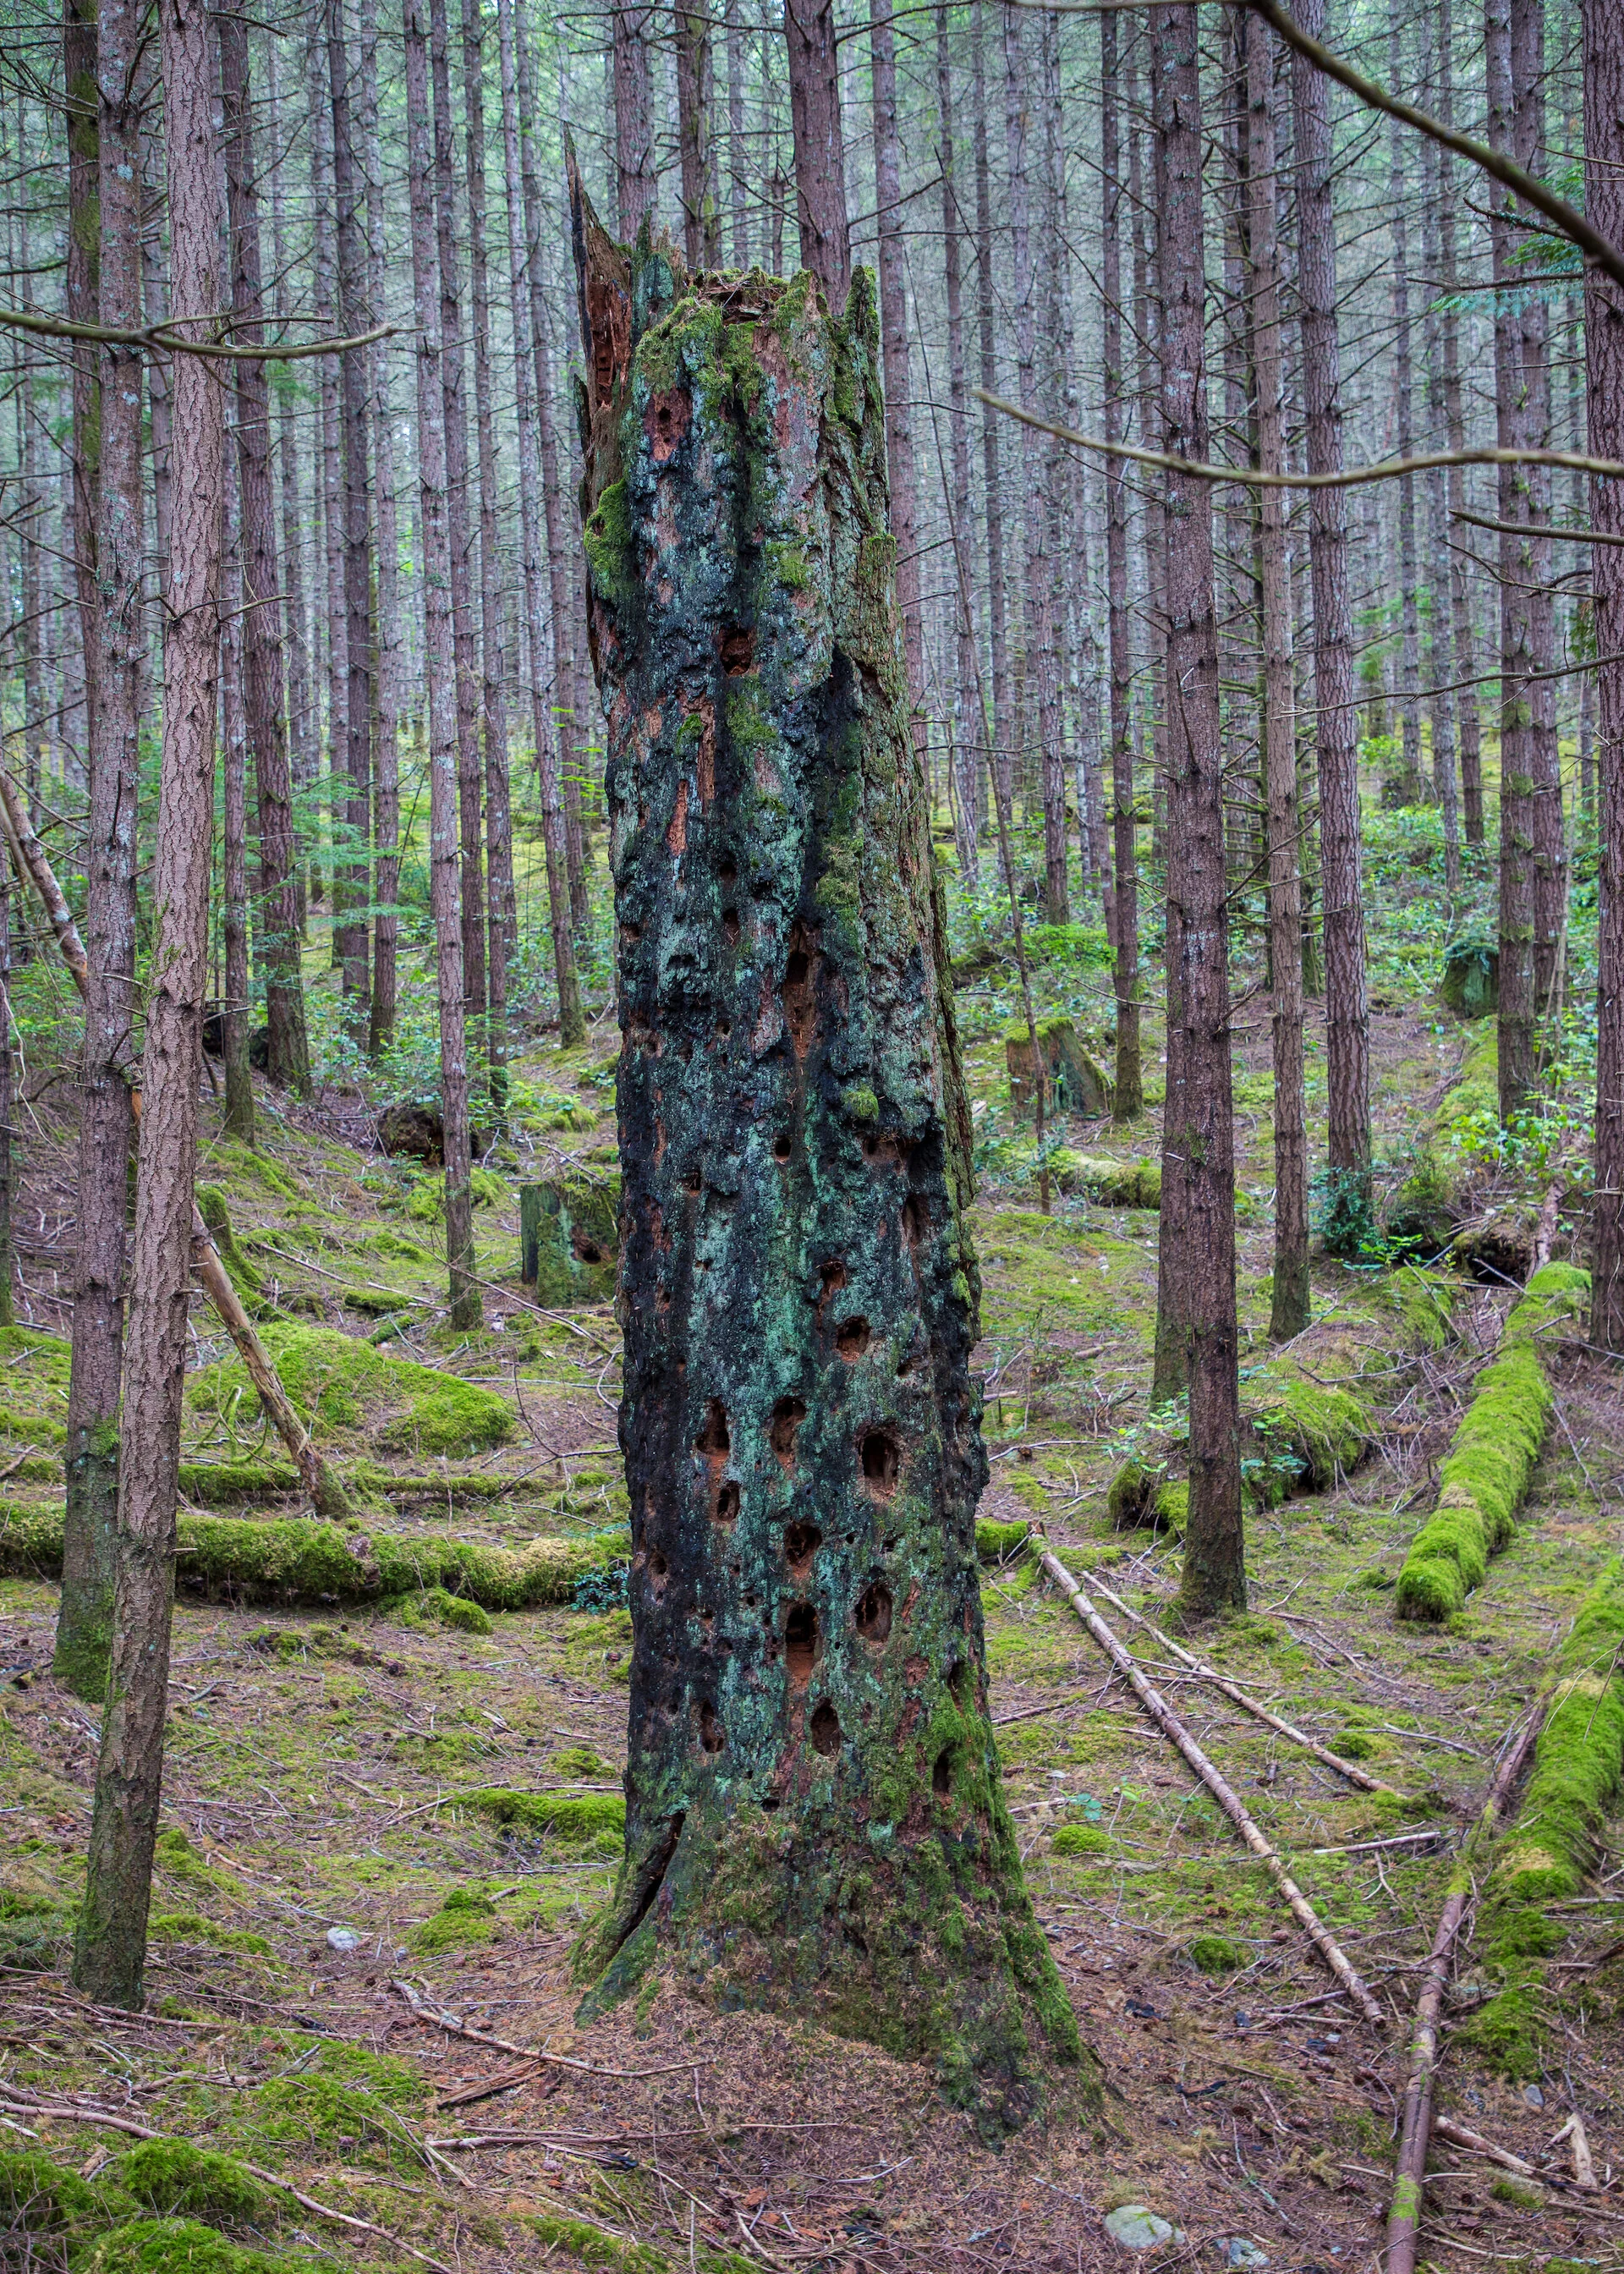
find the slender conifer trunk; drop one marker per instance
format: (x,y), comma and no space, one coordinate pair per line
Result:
(1128,1094)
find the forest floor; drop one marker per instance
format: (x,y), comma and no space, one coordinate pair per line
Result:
(324,1844)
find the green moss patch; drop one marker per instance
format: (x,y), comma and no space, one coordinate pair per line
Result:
(173,2177)
(192,1926)
(1112,1184)
(1081,1839)
(1215,1954)
(995,1542)
(573,1818)
(467,1916)
(1483,1480)
(342,1385)
(182,2246)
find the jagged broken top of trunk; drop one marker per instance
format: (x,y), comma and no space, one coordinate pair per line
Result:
(813,1811)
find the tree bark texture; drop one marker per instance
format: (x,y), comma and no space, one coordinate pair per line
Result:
(301,735)
(968,716)
(1403,786)
(117,651)
(289,1050)
(813,1815)
(1347,1007)
(999,724)
(385,762)
(634,119)
(521,251)
(82,281)
(238,1116)
(1198,1139)
(820,149)
(439,671)
(110,1950)
(1288,1305)
(1128,1101)
(1514,428)
(459,527)
(701,219)
(891,262)
(1604,335)
(356,639)
(329,626)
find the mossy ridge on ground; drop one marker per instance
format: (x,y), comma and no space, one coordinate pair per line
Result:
(345,1385)
(1552,1847)
(1485,1476)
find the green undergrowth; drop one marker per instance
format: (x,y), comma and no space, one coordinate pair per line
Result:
(1485,1475)
(293,1561)
(1553,1845)
(164,2207)
(342,1386)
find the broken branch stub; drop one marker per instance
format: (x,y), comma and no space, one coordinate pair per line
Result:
(815,1819)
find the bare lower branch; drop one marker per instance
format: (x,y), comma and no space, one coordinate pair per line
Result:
(1386,469)
(1535,529)
(159,340)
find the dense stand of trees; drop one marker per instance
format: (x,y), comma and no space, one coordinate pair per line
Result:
(300,647)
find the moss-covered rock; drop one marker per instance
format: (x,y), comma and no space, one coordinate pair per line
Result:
(569,1237)
(343,1387)
(1113,1184)
(1076,1085)
(1484,1478)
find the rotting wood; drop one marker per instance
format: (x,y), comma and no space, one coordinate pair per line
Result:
(1351,1770)
(1213,1778)
(1415,2123)
(325,1490)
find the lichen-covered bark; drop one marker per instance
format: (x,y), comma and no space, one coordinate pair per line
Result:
(814,1817)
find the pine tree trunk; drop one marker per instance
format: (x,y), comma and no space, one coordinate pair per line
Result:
(110,1943)
(327,471)
(83,292)
(289,1052)
(799,1424)
(8,1161)
(1405,788)
(356,641)
(386,764)
(116,651)
(301,735)
(572,1026)
(235,993)
(737,185)
(892,267)
(439,671)
(503,918)
(1550,854)
(1515,418)
(1198,1139)
(820,149)
(1440,553)
(1289,1302)
(459,527)
(702,220)
(1128,1096)
(1000,753)
(1347,1014)
(1603,341)
(968,716)
(634,119)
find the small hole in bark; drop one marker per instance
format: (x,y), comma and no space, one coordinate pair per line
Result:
(770,1801)
(961,1681)
(851,1338)
(781,1146)
(915,1219)
(587,1250)
(712,1736)
(873,1612)
(801,1644)
(799,1010)
(658,1570)
(826,1728)
(802,1541)
(730,926)
(727,1502)
(787,1416)
(690,1182)
(727,873)
(881,1461)
(713,1438)
(738,649)
(941,1775)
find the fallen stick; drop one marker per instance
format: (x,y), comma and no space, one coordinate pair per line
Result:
(1459,2136)
(1172,1727)
(324,1489)
(426,2010)
(1415,2121)
(1584,2170)
(1351,1770)
(20,2099)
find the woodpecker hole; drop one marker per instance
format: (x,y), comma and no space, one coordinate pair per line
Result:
(825,1726)
(801,1644)
(873,1612)
(851,1338)
(787,1416)
(881,1461)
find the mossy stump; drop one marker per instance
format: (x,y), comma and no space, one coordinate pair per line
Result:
(1076,1083)
(569,1237)
(814,1819)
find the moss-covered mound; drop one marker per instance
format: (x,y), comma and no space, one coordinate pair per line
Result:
(159,2209)
(1486,1472)
(342,1387)
(1434,1198)
(573,1818)
(1113,1184)
(292,1561)
(1553,1844)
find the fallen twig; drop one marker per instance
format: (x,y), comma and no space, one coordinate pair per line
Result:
(1169,1723)
(1415,2123)
(1459,2136)
(1351,1770)
(1584,2170)
(426,2010)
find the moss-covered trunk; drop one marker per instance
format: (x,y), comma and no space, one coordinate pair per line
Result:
(814,1816)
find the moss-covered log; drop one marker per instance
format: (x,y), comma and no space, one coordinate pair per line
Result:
(814,1817)
(1486,1471)
(293,1561)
